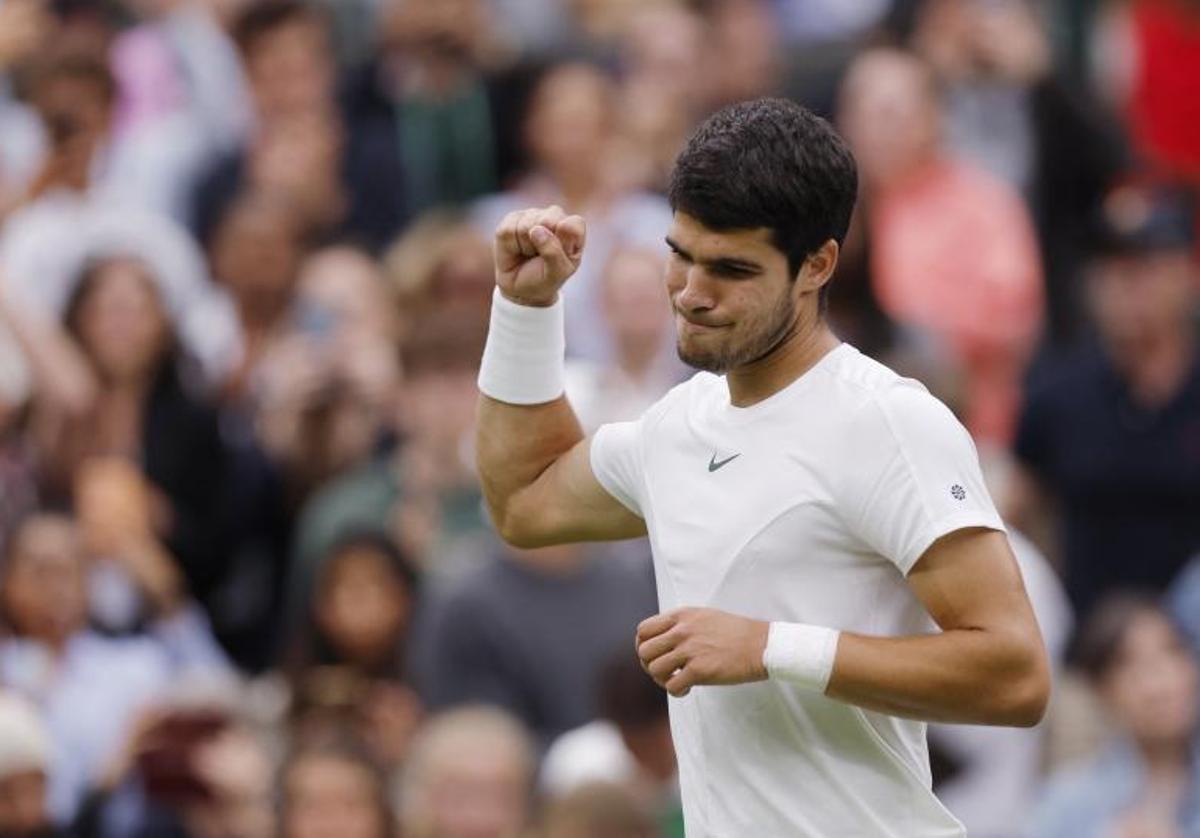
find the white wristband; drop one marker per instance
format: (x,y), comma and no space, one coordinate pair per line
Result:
(523,358)
(801,654)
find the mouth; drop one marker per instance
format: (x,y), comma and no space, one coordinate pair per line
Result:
(691,327)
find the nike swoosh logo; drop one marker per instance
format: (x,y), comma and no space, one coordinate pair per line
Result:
(713,465)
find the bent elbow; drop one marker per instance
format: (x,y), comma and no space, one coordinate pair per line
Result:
(1028,697)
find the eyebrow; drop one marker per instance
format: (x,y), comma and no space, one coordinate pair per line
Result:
(721,262)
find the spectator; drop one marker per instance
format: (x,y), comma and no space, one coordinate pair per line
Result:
(429,82)
(353,668)
(76,213)
(952,249)
(470,773)
(1007,109)
(1148,781)
(255,253)
(598,810)
(89,688)
(190,767)
(441,263)
(629,745)
(569,131)
(423,490)
(24,762)
(340,176)
(331,789)
(637,314)
(530,631)
(1109,431)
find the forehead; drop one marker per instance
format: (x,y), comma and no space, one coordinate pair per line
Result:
(705,243)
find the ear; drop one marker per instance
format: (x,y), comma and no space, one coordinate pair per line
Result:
(818,267)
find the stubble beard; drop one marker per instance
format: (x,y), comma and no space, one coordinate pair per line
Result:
(761,342)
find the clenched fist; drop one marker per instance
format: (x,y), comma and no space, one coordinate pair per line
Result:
(701,646)
(536,251)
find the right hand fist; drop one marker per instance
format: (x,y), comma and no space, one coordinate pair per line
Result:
(536,251)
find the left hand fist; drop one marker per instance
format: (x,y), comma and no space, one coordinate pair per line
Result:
(690,646)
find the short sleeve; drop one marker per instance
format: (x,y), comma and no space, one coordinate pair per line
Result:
(616,459)
(924,481)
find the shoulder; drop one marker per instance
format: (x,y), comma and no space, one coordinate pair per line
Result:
(884,402)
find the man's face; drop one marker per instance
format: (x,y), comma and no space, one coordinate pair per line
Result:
(731,293)
(1138,296)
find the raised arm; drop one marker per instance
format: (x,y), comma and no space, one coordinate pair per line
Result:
(532,455)
(986,666)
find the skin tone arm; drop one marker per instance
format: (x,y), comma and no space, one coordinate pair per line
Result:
(987,666)
(533,459)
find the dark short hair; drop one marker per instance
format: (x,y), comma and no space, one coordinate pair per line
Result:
(769,163)
(262,19)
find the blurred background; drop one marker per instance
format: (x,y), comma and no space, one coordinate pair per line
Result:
(247,587)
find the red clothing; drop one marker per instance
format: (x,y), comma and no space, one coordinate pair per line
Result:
(954,253)
(1164,110)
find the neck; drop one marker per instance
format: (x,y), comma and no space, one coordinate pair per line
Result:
(807,343)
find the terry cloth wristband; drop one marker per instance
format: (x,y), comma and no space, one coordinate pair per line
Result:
(523,358)
(801,654)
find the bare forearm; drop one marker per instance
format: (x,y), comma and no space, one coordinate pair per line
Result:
(515,444)
(963,676)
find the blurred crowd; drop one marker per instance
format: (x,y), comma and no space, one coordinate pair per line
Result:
(247,586)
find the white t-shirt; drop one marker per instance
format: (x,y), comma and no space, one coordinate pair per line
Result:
(810,506)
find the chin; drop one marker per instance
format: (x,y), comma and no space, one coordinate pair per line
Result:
(707,361)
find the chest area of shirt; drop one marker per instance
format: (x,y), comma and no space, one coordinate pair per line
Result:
(728,506)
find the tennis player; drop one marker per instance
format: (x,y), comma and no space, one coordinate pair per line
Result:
(831,570)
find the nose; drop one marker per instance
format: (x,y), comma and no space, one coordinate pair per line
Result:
(696,293)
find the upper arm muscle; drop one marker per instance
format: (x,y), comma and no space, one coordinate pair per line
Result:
(969,579)
(567,503)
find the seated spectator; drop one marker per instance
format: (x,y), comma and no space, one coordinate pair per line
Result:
(597,810)
(1108,431)
(428,86)
(953,251)
(423,490)
(191,766)
(352,669)
(255,252)
(1007,109)
(24,763)
(341,176)
(330,788)
(88,687)
(470,773)
(569,132)
(441,263)
(72,217)
(530,631)
(643,367)
(1148,781)
(326,384)
(628,746)
(149,410)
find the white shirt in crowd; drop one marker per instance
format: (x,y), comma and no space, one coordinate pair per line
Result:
(810,506)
